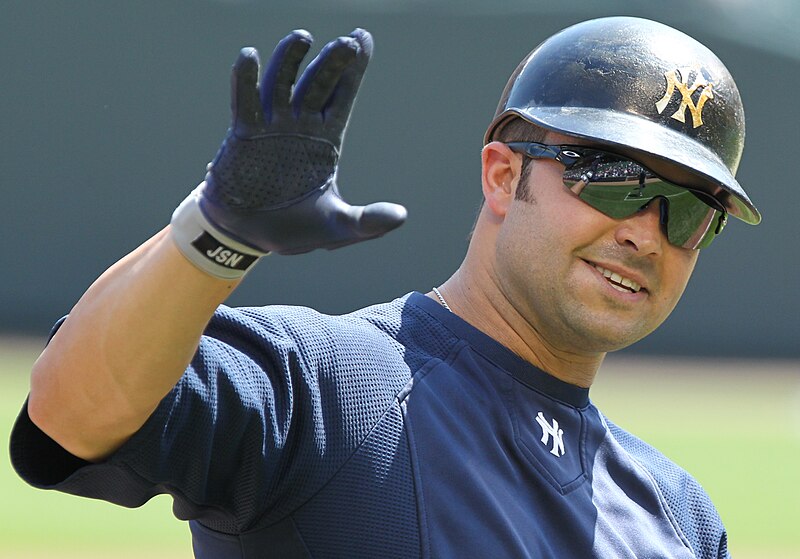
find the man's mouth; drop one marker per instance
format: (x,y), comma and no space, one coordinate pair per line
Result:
(626,285)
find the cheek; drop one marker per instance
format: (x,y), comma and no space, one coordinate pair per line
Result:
(678,267)
(683,265)
(517,240)
(538,239)
(522,249)
(555,213)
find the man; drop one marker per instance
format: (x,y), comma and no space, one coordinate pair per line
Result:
(456,424)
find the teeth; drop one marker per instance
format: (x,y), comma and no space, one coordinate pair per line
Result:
(618,282)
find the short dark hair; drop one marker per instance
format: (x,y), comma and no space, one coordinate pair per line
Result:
(517,129)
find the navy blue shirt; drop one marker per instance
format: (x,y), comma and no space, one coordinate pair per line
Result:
(395,431)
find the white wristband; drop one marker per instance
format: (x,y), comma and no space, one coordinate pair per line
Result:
(207,247)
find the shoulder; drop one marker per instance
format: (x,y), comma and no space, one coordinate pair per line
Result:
(365,356)
(387,331)
(687,501)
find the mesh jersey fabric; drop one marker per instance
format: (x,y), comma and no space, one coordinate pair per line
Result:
(395,431)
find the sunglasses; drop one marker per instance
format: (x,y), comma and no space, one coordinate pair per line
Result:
(620,187)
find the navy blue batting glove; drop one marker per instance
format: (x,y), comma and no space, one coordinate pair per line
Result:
(272,185)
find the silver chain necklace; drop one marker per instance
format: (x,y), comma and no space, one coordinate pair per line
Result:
(441,299)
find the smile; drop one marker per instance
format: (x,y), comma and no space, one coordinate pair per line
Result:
(618,282)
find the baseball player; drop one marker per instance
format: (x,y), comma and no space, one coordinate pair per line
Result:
(455,423)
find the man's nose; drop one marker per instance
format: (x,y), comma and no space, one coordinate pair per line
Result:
(643,232)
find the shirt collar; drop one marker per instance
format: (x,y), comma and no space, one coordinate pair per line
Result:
(503,357)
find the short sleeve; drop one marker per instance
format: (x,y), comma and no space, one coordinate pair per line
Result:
(688,502)
(274,401)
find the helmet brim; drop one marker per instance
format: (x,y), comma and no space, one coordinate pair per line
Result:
(668,153)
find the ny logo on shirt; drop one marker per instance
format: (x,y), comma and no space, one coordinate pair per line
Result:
(551,431)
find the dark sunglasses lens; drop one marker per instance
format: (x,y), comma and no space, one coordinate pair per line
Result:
(691,223)
(619,188)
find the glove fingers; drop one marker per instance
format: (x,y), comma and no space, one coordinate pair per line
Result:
(321,76)
(248,117)
(344,95)
(280,75)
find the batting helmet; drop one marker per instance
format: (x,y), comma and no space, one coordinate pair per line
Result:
(643,90)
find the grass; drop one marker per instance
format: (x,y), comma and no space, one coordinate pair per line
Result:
(735,426)
(38,524)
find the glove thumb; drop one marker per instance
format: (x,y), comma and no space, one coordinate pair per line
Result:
(374,220)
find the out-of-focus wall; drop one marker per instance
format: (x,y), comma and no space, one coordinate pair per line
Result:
(110,111)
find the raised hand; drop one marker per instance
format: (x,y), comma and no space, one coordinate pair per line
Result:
(272,185)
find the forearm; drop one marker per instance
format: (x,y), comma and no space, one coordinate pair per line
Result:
(123,347)
(270,188)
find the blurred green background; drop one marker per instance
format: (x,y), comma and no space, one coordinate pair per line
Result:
(111,110)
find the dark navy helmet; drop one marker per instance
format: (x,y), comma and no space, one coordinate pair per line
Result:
(643,90)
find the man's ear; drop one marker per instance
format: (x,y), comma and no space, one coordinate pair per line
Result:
(500,175)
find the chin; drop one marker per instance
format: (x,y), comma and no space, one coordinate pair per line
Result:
(602,339)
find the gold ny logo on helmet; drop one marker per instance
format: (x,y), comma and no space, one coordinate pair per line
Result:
(679,79)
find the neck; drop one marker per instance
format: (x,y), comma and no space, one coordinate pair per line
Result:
(476,298)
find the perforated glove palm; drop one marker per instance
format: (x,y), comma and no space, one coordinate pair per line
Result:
(272,185)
